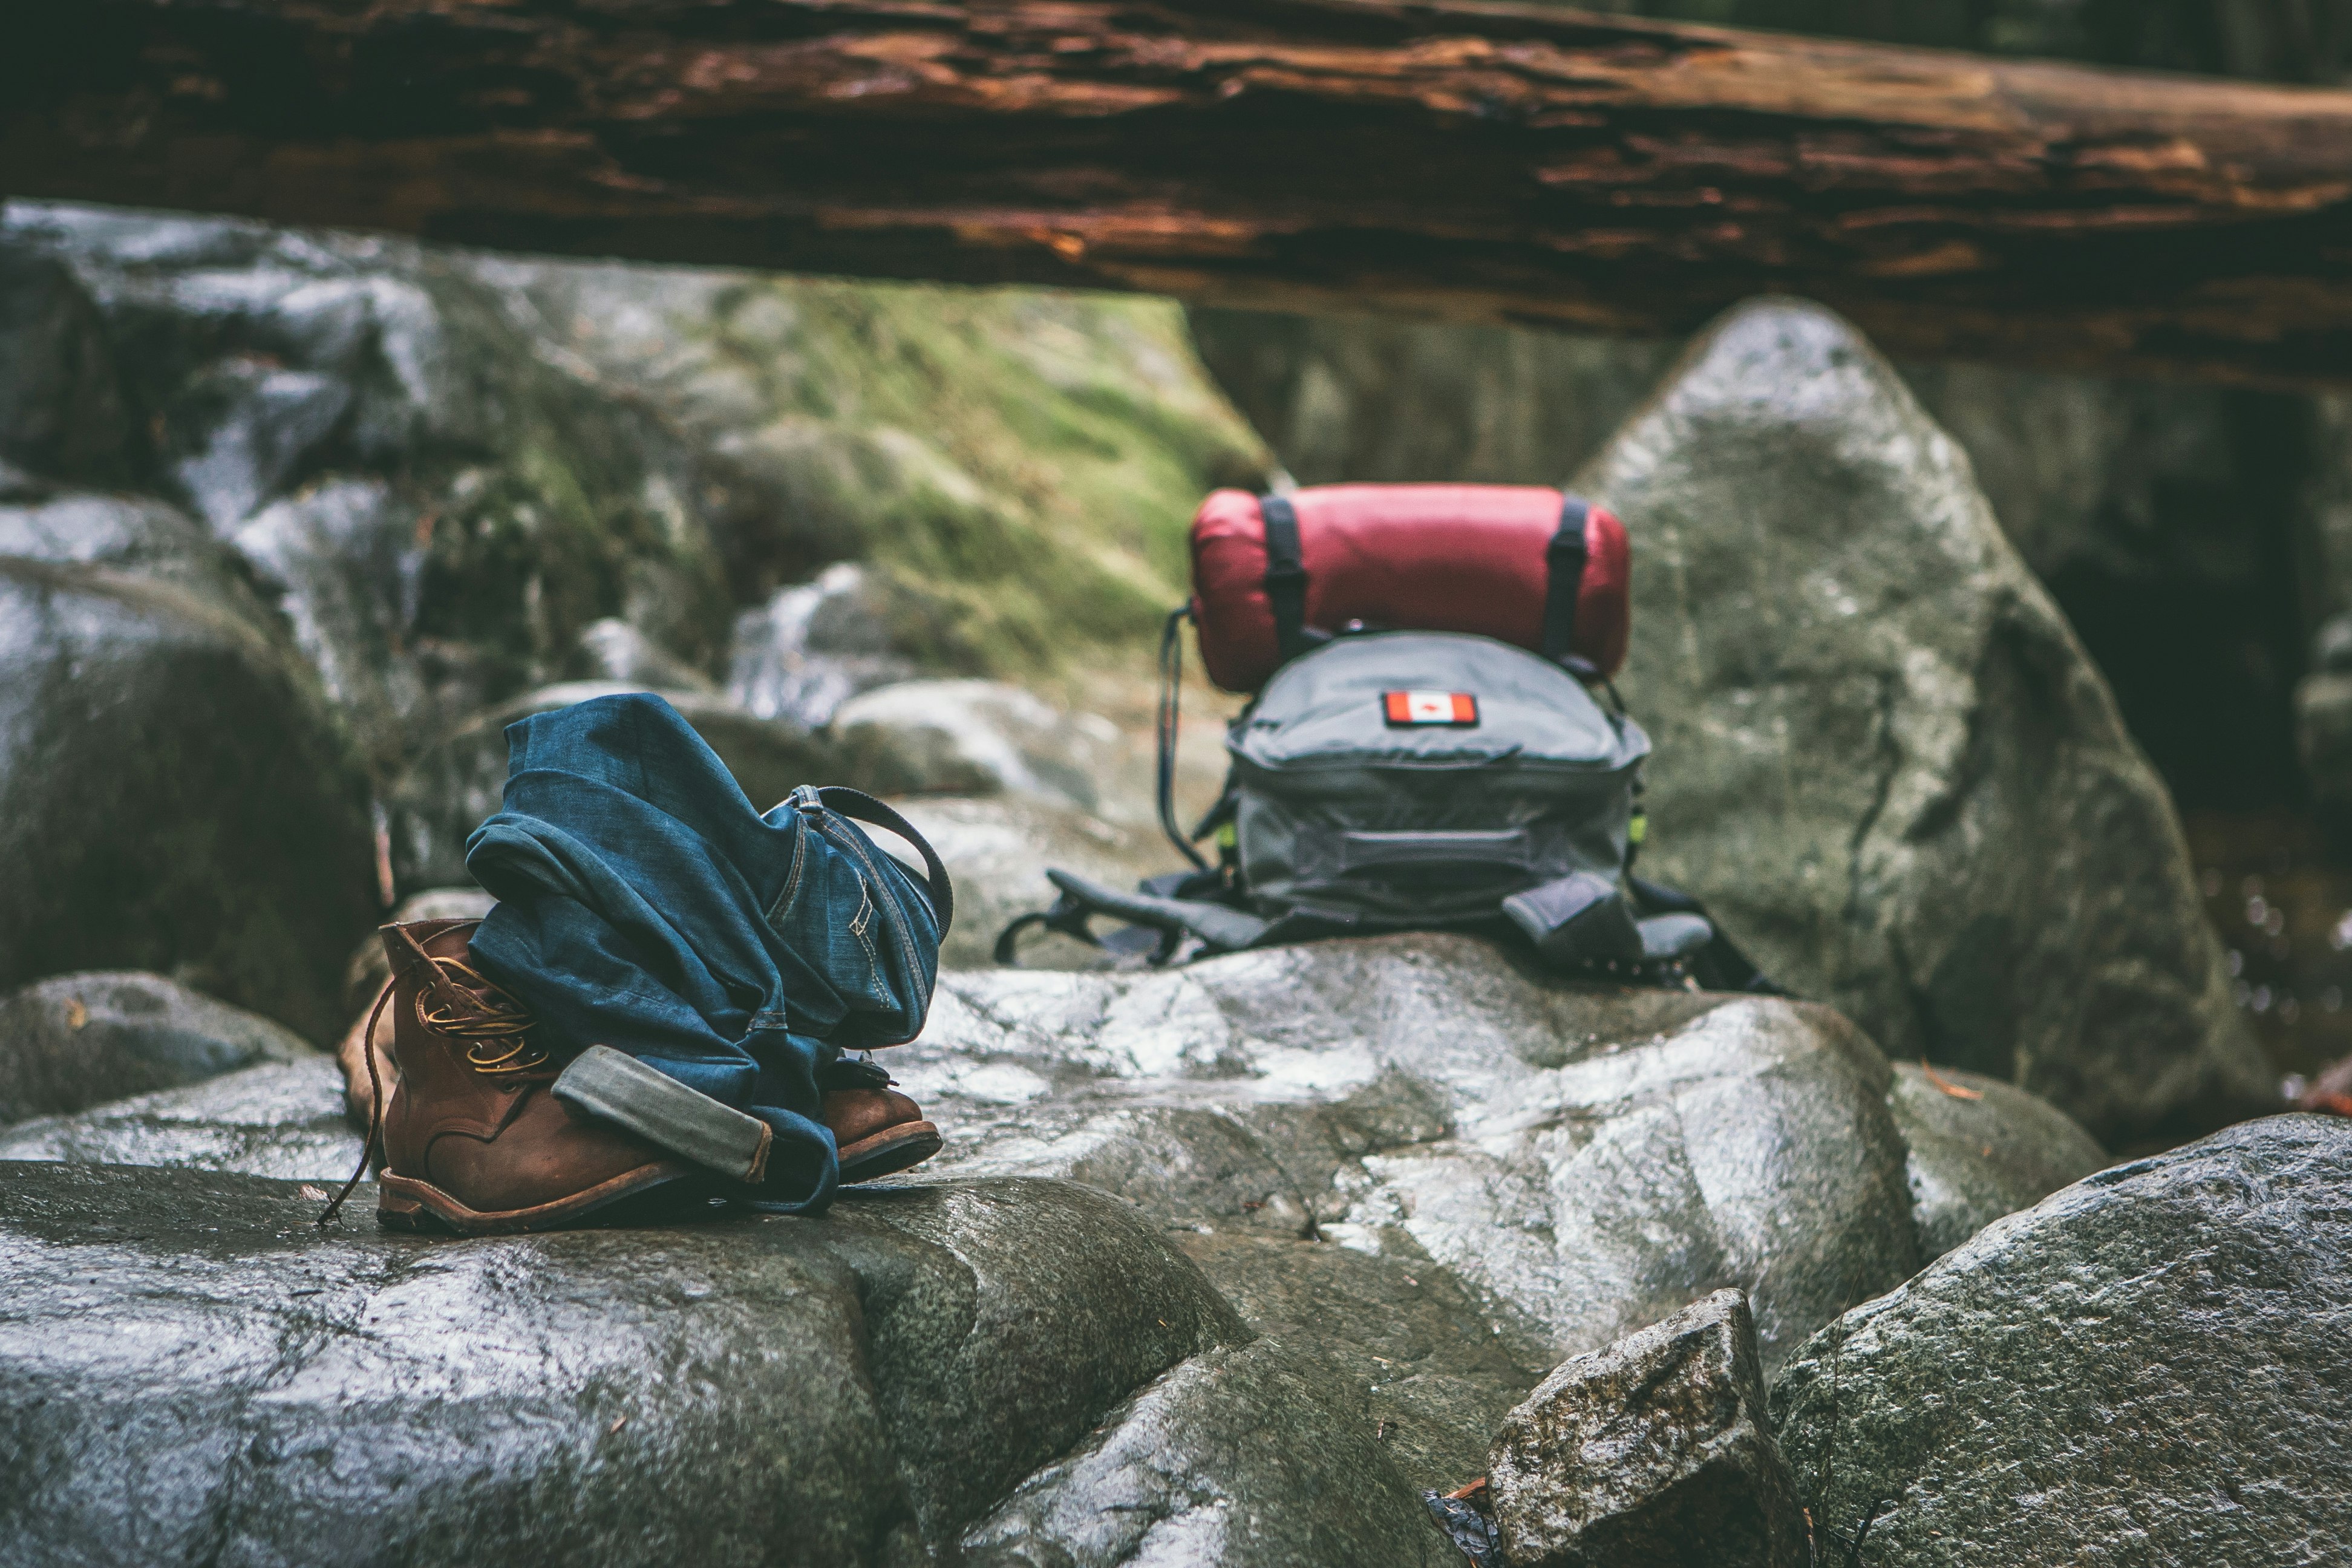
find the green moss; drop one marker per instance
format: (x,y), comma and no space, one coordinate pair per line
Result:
(1029,462)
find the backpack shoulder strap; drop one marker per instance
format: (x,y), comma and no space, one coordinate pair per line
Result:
(1219,926)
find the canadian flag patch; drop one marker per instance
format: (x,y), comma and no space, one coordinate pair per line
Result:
(1414,708)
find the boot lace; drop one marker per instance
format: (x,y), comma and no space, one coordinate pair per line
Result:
(494,1025)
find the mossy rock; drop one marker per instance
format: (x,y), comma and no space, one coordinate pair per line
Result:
(1027,462)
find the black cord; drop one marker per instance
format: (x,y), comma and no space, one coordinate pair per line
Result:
(1171,683)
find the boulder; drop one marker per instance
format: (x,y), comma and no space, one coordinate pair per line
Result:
(865,1388)
(1654,1452)
(1981,1149)
(1414,1346)
(285,1120)
(175,794)
(1881,756)
(444,794)
(1255,1434)
(997,848)
(2150,1366)
(75,1040)
(973,737)
(1345,399)
(247,429)
(1584,1161)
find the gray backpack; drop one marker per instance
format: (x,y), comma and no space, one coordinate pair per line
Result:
(1395,781)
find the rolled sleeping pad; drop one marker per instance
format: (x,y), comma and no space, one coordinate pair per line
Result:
(1480,559)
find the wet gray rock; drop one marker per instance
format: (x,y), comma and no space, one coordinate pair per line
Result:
(2151,1366)
(845,1391)
(1411,1341)
(444,794)
(973,737)
(1654,1452)
(175,794)
(816,645)
(1884,758)
(437,502)
(1256,1432)
(1583,1161)
(247,428)
(1988,1151)
(997,848)
(75,1040)
(285,1120)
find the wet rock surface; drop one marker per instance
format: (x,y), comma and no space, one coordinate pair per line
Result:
(2003,887)
(2149,1366)
(851,1390)
(1654,1452)
(76,1040)
(1986,1151)
(1259,1431)
(1413,1346)
(285,1120)
(1584,1162)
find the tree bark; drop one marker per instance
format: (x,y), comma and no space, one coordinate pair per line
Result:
(1475,160)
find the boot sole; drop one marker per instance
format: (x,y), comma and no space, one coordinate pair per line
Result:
(888,1152)
(405,1203)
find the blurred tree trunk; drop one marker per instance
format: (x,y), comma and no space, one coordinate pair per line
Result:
(1480,162)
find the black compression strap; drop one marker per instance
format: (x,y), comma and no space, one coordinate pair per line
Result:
(1566,560)
(1285,576)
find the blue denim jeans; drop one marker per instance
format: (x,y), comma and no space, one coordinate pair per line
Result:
(645,905)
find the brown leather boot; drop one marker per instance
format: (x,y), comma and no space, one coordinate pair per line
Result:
(473,1142)
(877,1131)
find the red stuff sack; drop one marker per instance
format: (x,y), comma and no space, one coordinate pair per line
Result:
(1521,563)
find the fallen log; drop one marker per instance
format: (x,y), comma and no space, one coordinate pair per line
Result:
(1483,162)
